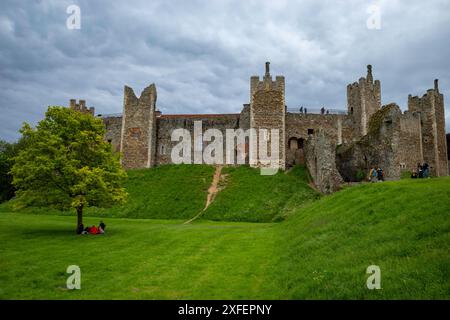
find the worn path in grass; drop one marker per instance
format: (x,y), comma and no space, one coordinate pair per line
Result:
(212,192)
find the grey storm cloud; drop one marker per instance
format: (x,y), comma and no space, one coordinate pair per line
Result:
(200,54)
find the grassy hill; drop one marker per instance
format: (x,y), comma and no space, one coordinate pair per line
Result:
(165,192)
(401,226)
(250,196)
(322,249)
(180,192)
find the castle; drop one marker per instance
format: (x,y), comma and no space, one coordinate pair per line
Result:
(335,146)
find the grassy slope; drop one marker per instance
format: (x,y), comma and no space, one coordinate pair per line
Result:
(180,192)
(165,192)
(401,226)
(250,196)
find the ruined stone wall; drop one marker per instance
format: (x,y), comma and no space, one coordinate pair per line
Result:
(320,152)
(167,123)
(392,143)
(434,145)
(299,126)
(113,126)
(138,128)
(409,150)
(337,127)
(244,117)
(363,100)
(81,106)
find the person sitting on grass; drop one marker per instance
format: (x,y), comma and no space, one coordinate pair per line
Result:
(420,171)
(102,226)
(93,230)
(80,229)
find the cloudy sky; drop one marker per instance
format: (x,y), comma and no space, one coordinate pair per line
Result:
(201,54)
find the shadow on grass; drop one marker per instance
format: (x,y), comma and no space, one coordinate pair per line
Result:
(56,233)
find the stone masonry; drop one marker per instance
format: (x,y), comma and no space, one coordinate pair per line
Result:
(334,146)
(138,133)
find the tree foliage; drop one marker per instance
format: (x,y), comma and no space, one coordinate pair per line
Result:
(67,164)
(8,150)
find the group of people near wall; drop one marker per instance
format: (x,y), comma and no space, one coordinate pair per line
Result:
(305,110)
(423,171)
(376,174)
(92,230)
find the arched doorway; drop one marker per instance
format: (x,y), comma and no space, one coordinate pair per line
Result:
(295,154)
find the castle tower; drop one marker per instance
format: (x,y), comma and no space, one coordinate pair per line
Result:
(138,136)
(81,106)
(431,109)
(267,111)
(363,100)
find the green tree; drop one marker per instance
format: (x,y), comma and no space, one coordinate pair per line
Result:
(7,153)
(67,164)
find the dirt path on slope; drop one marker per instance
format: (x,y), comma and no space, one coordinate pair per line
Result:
(212,192)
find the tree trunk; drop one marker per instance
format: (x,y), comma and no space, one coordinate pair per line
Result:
(79,216)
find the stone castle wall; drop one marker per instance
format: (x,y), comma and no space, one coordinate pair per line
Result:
(366,136)
(320,151)
(138,134)
(431,109)
(167,123)
(393,143)
(113,125)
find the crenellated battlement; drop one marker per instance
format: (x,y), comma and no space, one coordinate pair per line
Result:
(267,83)
(81,106)
(363,100)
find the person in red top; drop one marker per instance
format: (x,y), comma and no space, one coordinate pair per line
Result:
(93,230)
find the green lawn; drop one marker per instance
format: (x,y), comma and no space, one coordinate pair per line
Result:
(320,251)
(137,259)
